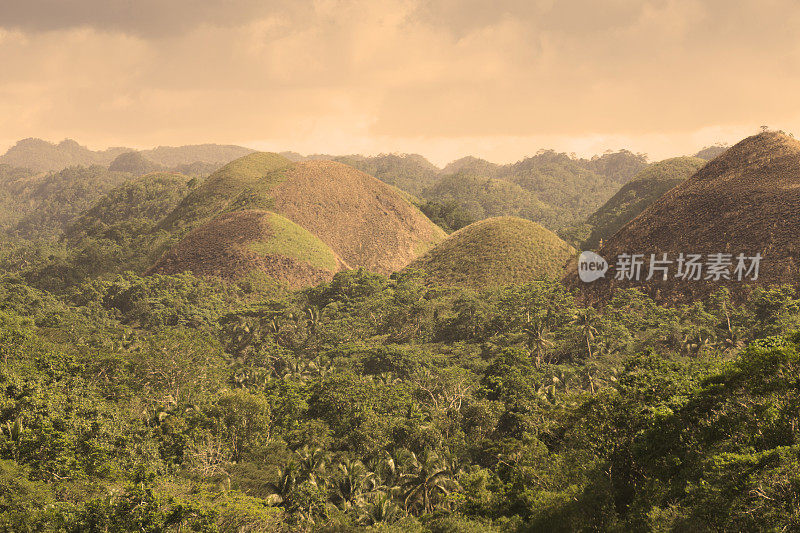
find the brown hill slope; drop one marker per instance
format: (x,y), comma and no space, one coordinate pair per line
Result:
(746,201)
(495,252)
(234,245)
(365,221)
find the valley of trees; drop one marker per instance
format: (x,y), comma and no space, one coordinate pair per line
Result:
(376,404)
(370,402)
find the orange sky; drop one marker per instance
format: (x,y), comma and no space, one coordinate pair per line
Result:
(443,78)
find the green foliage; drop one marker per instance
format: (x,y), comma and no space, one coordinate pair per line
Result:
(449,215)
(408,172)
(554,189)
(635,196)
(367,403)
(56,199)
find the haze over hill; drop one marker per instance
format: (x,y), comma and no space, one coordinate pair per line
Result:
(42,156)
(746,201)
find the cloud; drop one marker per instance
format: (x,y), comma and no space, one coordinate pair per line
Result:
(381,75)
(149,18)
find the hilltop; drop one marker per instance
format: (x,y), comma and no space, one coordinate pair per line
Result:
(710,152)
(217,191)
(135,163)
(365,221)
(746,201)
(495,252)
(472,165)
(644,189)
(253,243)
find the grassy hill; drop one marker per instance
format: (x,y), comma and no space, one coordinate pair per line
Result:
(220,188)
(644,189)
(253,243)
(365,221)
(746,201)
(495,252)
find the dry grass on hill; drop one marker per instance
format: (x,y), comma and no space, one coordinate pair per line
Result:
(745,201)
(366,222)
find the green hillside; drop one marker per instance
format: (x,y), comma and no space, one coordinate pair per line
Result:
(210,198)
(409,172)
(131,209)
(636,195)
(554,189)
(481,198)
(48,203)
(494,252)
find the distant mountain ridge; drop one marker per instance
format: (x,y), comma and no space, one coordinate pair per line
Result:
(43,156)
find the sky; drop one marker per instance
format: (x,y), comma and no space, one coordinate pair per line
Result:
(496,79)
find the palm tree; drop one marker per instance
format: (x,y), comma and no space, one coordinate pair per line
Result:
(587,325)
(285,484)
(427,480)
(313,462)
(380,509)
(538,341)
(355,482)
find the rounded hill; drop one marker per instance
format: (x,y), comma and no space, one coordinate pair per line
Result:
(746,201)
(216,192)
(365,221)
(636,195)
(135,163)
(234,245)
(495,252)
